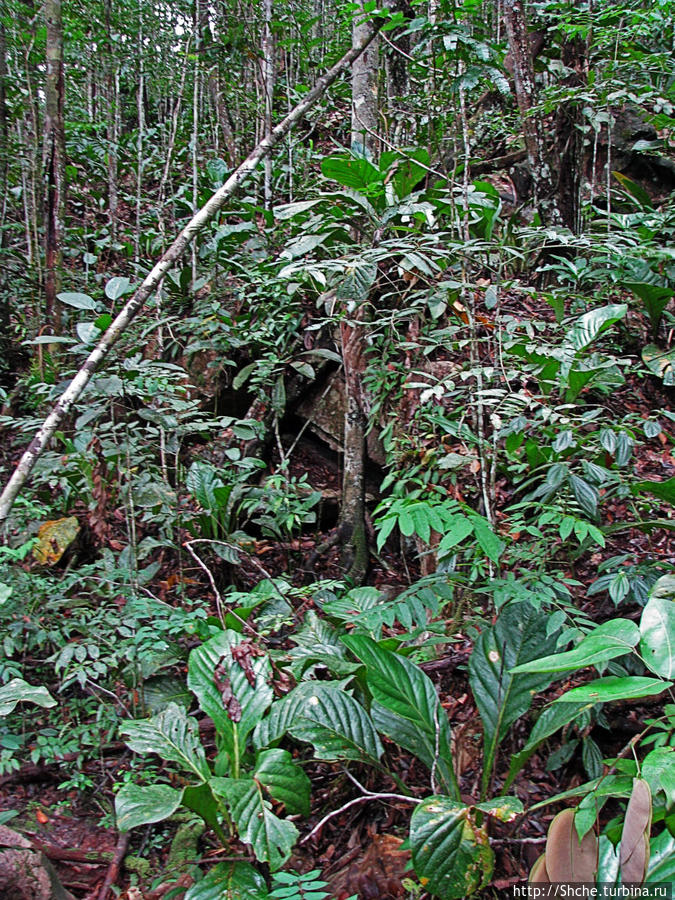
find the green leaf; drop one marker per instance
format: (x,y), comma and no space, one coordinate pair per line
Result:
(658,768)
(587,327)
(272,838)
(357,282)
(504,809)
(638,193)
(609,640)
(662,859)
(204,483)
(586,495)
(87,332)
(77,300)
(403,689)
(136,805)
(117,287)
(173,736)
(230,881)
(657,630)
(605,690)
(17,690)
(451,854)
(457,529)
(358,174)
(285,711)
(660,363)
(518,636)
(491,545)
(250,700)
(286,782)
(337,726)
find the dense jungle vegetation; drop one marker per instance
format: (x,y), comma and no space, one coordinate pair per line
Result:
(336,381)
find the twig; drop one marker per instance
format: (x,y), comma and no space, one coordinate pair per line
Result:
(114,868)
(368,796)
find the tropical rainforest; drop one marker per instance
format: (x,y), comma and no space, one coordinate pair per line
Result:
(336,403)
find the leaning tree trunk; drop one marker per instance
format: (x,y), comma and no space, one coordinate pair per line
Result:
(533,132)
(134,305)
(54,152)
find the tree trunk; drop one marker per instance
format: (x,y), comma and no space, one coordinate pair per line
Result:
(365,109)
(523,76)
(267,81)
(54,164)
(569,137)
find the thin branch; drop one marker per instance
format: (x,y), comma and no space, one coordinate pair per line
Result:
(364,799)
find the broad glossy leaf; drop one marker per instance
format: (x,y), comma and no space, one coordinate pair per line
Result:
(657,629)
(173,736)
(585,494)
(17,690)
(160,690)
(664,490)
(199,798)
(587,327)
(518,636)
(405,690)
(230,881)
(286,782)
(661,363)
(604,690)
(203,481)
(609,640)
(491,545)
(77,300)
(567,859)
(504,809)
(337,726)
(634,850)
(662,859)
(252,699)
(658,768)
(117,287)
(142,805)
(284,712)
(451,854)
(357,282)
(272,838)
(358,173)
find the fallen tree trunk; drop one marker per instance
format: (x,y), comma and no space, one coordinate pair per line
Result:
(153,279)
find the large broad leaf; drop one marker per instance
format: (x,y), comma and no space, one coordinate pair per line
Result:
(604,690)
(235,704)
(657,629)
(658,768)
(403,689)
(77,300)
(206,486)
(587,327)
(173,736)
(285,711)
(609,640)
(357,282)
(136,805)
(663,490)
(451,854)
(337,726)
(272,838)
(230,881)
(660,362)
(285,781)
(518,636)
(662,859)
(54,538)
(18,690)
(358,173)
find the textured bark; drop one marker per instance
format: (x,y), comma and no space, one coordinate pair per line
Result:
(267,83)
(365,109)
(54,162)
(533,133)
(352,522)
(569,137)
(153,279)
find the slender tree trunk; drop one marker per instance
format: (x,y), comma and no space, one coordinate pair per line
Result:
(133,306)
(140,110)
(569,138)
(365,108)
(267,80)
(5,343)
(533,133)
(113,99)
(54,163)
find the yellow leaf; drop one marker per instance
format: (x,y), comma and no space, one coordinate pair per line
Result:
(54,537)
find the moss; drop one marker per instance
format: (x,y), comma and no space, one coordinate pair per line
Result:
(138,865)
(184,846)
